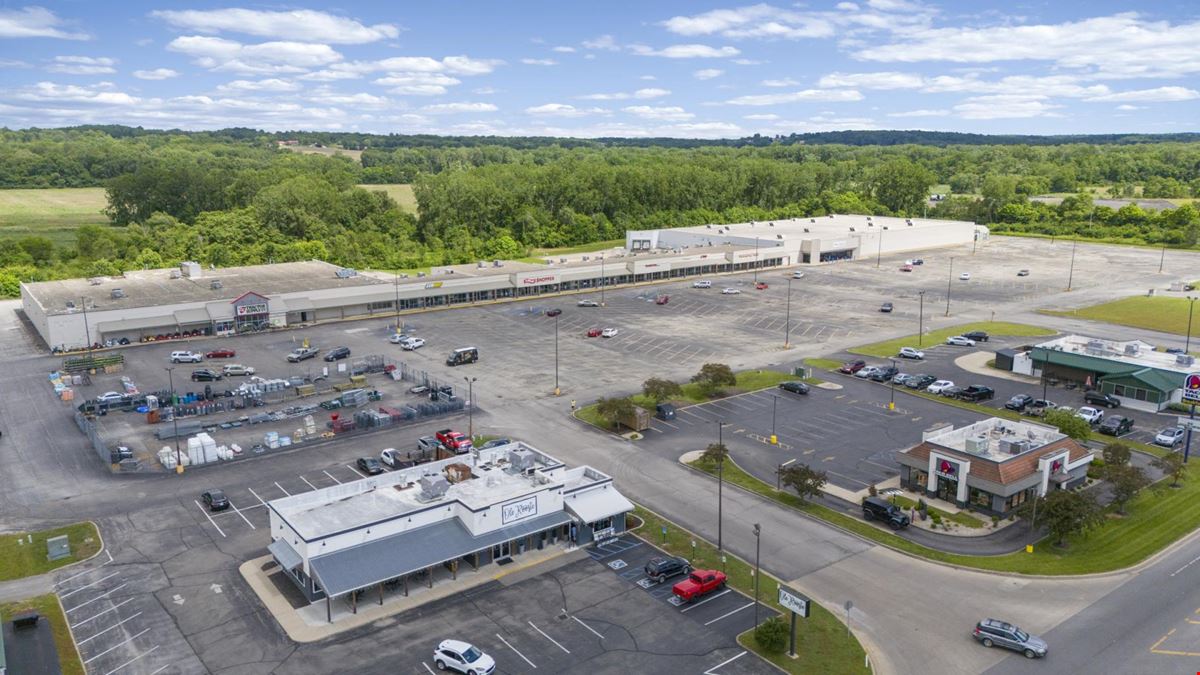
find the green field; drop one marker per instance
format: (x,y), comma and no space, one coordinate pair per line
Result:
(401,192)
(19,560)
(1166,315)
(53,213)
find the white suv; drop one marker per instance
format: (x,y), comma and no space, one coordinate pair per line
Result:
(701,284)
(463,657)
(412,344)
(186,357)
(939,386)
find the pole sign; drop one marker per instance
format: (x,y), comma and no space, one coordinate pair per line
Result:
(1186,422)
(1191,388)
(793,601)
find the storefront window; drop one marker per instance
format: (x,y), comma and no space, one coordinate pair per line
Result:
(980,498)
(921,479)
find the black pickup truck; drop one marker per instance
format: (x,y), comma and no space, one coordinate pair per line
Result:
(976,393)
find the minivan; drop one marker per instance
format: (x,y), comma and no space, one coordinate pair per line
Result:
(665,411)
(463,355)
(337,353)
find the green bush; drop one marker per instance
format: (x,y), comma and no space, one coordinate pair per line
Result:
(772,635)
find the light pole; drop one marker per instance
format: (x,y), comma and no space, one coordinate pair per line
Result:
(175,420)
(397,286)
(774,402)
(87,330)
(921,319)
(879,251)
(757,550)
(949,283)
(1187,346)
(557,391)
(720,484)
(787,322)
(756,260)
(892,386)
(1071,273)
(470,407)
(1162,259)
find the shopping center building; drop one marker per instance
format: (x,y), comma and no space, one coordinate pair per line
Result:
(421,525)
(994,465)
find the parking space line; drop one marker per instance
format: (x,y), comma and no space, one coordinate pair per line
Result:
(98,597)
(281,489)
(581,623)
(356,471)
(86,640)
(235,510)
(214,523)
(96,616)
(531,664)
(260,499)
(708,599)
(135,659)
(556,644)
(123,642)
(730,613)
(430,670)
(331,476)
(314,487)
(79,574)
(161,668)
(64,595)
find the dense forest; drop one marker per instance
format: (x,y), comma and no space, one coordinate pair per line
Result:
(234,197)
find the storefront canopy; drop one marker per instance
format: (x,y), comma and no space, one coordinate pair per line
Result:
(285,554)
(595,505)
(196,315)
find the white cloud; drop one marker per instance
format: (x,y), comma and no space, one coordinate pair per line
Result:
(647,93)
(82,65)
(563,110)
(650,78)
(455,65)
(749,62)
(871,80)
(58,93)
(156,74)
(604,43)
(708,73)
(1049,85)
(539,62)
(359,100)
(268,57)
(1126,106)
(271,84)
(766,116)
(485,91)
(1157,94)
(920,113)
(465,107)
(785,82)
(34,22)
(664,113)
(562,49)
(833,95)
(329,75)
(706,129)
(651,92)
(754,21)
(847,6)
(300,25)
(691,51)
(1006,106)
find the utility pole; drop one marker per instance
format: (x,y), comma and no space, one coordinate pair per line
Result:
(720,484)
(557,391)
(175,420)
(921,319)
(787,322)
(892,386)
(1071,274)
(757,571)
(397,285)
(774,401)
(470,407)
(87,330)
(602,280)
(879,250)
(1162,258)
(1187,346)
(949,283)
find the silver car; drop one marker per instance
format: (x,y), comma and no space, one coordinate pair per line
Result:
(993,633)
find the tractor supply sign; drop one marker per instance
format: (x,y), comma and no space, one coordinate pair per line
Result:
(1191,388)
(256,308)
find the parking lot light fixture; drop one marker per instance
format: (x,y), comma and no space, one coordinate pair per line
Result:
(774,405)
(779,473)
(757,574)
(602,280)
(721,484)
(756,260)
(174,420)
(471,407)
(557,391)
(921,319)
(892,386)
(1187,345)
(949,284)
(787,321)
(1071,273)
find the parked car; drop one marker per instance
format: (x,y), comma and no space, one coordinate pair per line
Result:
(215,500)
(911,353)
(369,466)
(976,335)
(393,458)
(1019,402)
(878,508)
(1170,437)
(698,583)
(398,338)
(760,286)
(1039,407)
(664,411)
(659,568)
(205,375)
(553,312)
(236,370)
(920,381)
(587,303)
(412,344)
(594,332)
(110,397)
(730,291)
(851,367)
(960,341)
(302,353)
(886,308)
(884,373)
(965,276)
(953,392)
(797,275)
(463,657)
(662,299)
(993,633)
(337,353)
(906,267)
(220,354)
(609,332)
(866,372)
(977,393)
(794,387)
(1023,273)
(938,386)
(702,284)
(453,440)
(1116,425)
(900,379)
(495,442)
(186,357)
(1100,398)
(918,261)
(1174,350)
(1092,415)
(428,444)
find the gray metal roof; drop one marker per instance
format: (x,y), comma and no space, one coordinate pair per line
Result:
(390,557)
(285,554)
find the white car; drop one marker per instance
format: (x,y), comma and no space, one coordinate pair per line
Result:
(965,276)
(587,303)
(701,284)
(398,338)
(797,275)
(186,357)
(235,369)
(392,458)
(730,291)
(867,371)
(939,386)
(463,657)
(609,332)
(1092,415)
(412,344)
(960,341)
(1170,437)
(110,397)
(910,353)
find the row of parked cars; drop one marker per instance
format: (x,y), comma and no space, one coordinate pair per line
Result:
(920,382)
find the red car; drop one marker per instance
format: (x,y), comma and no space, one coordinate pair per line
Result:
(454,440)
(594,332)
(852,367)
(698,583)
(220,354)
(553,312)
(906,268)
(662,299)
(762,286)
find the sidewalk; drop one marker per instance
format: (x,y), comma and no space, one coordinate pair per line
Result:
(976,362)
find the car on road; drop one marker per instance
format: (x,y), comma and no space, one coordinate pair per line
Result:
(976,393)
(760,286)
(797,275)
(993,633)
(1170,437)
(594,332)
(236,370)
(1100,398)
(730,291)
(412,344)
(965,276)
(976,335)
(369,466)
(960,341)
(1019,402)
(1092,415)
(220,354)
(878,508)
(215,500)
(609,332)
(886,308)
(1023,273)
(186,357)
(918,261)
(1116,425)
(938,386)
(906,267)
(553,312)
(911,353)
(463,657)
(698,583)
(852,367)
(660,568)
(884,373)
(866,372)
(702,284)
(920,381)
(337,353)
(794,387)
(587,303)
(302,354)
(205,375)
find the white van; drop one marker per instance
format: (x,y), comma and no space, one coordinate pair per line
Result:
(797,274)
(186,357)
(701,284)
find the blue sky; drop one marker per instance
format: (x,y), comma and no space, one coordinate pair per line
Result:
(605,69)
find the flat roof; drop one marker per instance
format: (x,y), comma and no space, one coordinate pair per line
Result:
(152,288)
(835,225)
(996,439)
(1133,352)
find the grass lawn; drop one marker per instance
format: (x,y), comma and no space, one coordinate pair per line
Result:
(962,518)
(53,213)
(47,605)
(822,645)
(825,364)
(401,192)
(582,248)
(889,348)
(18,560)
(1164,314)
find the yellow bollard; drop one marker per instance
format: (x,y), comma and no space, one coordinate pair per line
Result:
(1029,548)
(774,439)
(891,405)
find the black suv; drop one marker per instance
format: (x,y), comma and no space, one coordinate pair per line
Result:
(369,466)
(205,375)
(337,353)
(977,392)
(1019,402)
(1116,425)
(878,508)
(215,500)
(794,387)
(920,381)
(885,373)
(1100,398)
(659,569)
(976,335)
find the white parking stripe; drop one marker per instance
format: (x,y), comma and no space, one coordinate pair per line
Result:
(281,489)
(556,644)
(260,499)
(331,476)
(710,670)
(581,623)
(123,642)
(708,599)
(356,471)
(235,510)
(70,593)
(98,597)
(531,664)
(205,512)
(79,574)
(314,487)
(427,667)
(730,613)
(96,616)
(128,618)
(134,659)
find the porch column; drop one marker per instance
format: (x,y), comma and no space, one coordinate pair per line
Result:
(381,593)
(328,610)
(430,572)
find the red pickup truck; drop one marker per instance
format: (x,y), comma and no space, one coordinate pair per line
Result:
(698,583)
(454,441)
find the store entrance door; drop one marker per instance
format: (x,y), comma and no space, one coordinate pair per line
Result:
(502,550)
(947,489)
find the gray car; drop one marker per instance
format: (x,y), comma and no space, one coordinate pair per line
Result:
(993,633)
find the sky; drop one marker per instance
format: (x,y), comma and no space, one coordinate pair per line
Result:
(616,68)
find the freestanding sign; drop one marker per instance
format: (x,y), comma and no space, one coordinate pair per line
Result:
(796,603)
(1191,388)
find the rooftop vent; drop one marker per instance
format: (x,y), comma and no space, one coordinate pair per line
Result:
(1013,447)
(191,269)
(433,486)
(175,274)
(1184,359)
(1131,349)
(976,444)
(852,229)
(520,460)
(885,227)
(779,236)
(216,284)
(345,273)
(117,294)
(1094,347)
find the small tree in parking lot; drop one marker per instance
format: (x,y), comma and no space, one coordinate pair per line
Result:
(661,390)
(772,635)
(1125,481)
(613,410)
(1171,465)
(1116,454)
(715,453)
(1068,423)
(712,377)
(1065,513)
(805,480)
